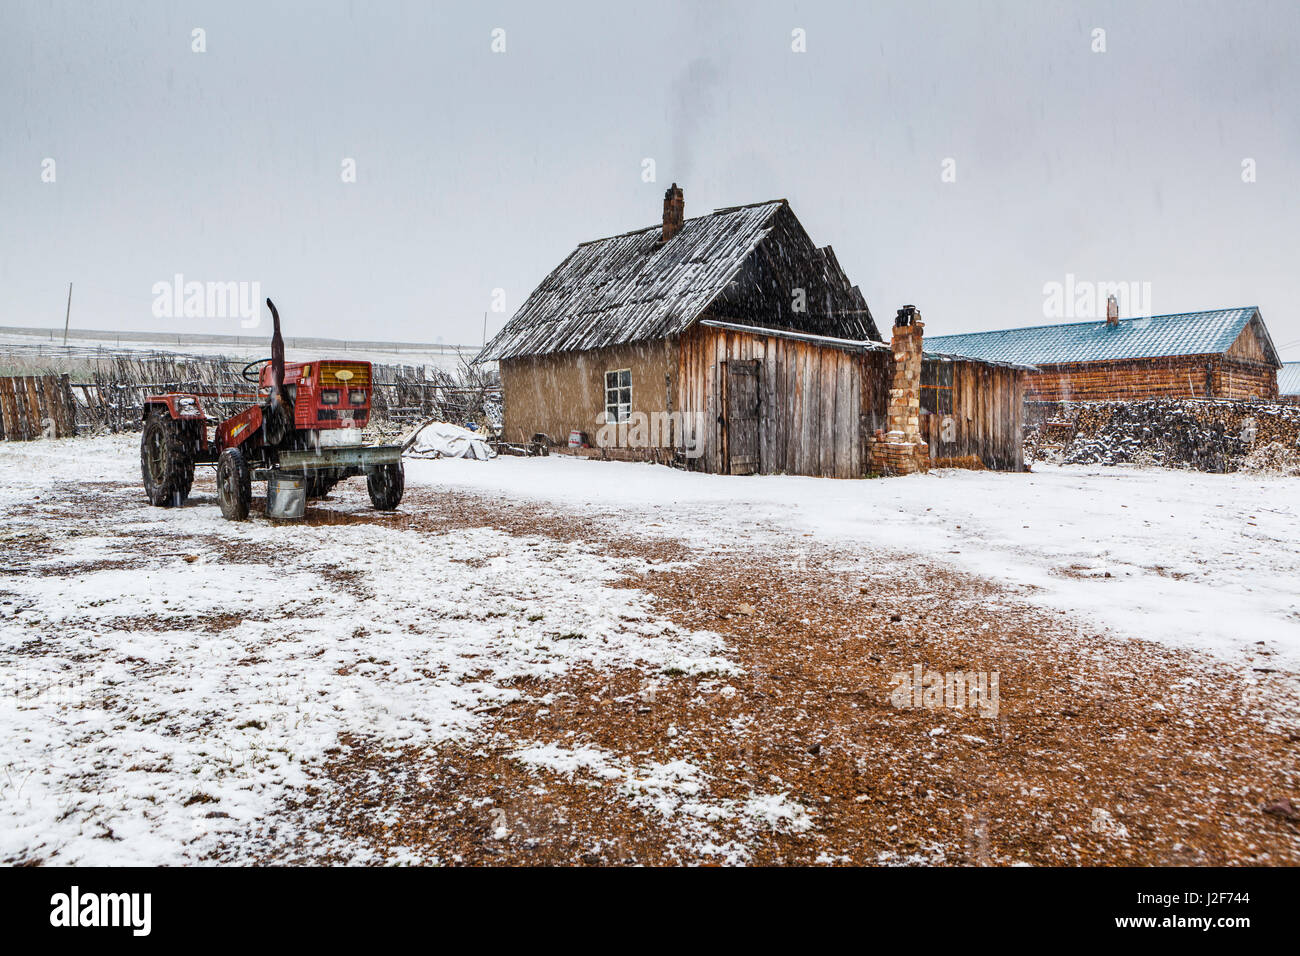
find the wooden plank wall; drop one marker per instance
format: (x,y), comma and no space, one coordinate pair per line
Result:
(811,401)
(36,406)
(988,417)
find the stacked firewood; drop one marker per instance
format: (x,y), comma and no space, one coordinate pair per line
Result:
(1214,436)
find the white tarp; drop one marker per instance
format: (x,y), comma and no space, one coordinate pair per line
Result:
(445,440)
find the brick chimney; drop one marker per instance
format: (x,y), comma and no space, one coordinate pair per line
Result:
(901,451)
(1112,312)
(674,211)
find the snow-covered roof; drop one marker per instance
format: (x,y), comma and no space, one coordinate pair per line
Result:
(1156,336)
(634,287)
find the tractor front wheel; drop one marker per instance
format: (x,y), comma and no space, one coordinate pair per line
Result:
(386,484)
(165,461)
(234,485)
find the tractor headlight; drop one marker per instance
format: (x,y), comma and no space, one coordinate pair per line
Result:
(357,396)
(329,396)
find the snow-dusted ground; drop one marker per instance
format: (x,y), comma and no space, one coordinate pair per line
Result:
(1192,560)
(169,677)
(137,724)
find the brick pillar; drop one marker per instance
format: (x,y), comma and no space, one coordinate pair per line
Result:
(674,211)
(901,451)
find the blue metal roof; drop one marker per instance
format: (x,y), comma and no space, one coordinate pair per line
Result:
(1288,379)
(1156,336)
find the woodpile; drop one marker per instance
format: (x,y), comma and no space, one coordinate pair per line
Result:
(1273,458)
(1213,436)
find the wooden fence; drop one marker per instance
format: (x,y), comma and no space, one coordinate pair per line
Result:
(109,395)
(36,406)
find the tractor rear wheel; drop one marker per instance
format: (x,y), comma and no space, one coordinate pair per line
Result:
(234,485)
(166,463)
(386,484)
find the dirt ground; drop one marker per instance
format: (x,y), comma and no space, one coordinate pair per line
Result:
(1099,750)
(1102,751)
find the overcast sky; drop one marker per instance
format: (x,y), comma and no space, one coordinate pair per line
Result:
(479,170)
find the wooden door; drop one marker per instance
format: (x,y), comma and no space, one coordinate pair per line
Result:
(742,417)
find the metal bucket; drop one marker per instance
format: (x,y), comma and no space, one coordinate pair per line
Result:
(286,496)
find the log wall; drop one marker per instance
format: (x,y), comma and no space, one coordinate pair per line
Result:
(1183,376)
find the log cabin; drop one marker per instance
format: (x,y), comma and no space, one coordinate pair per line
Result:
(1226,353)
(730,343)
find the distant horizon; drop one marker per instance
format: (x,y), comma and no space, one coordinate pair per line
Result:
(250,335)
(255,333)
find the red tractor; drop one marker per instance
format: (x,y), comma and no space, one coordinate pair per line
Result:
(302,433)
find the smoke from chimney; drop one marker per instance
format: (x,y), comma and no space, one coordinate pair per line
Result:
(1112,311)
(674,211)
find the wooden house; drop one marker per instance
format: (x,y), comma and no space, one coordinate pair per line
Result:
(731,343)
(1226,353)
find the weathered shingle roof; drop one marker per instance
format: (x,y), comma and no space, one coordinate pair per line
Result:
(1288,379)
(1157,336)
(634,287)
(631,287)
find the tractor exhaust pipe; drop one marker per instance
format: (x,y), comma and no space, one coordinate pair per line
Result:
(276,425)
(277,356)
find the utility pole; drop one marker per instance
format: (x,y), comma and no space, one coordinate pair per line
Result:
(484,322)
(67,316)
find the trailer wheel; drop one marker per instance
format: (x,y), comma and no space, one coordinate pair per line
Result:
(386,484)
(234,485)
(166,463)
(318,486)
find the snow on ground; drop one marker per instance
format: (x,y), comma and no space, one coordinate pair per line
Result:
(170,676)
(1192,560)
(676,792)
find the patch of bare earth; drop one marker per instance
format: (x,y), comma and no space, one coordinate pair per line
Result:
(1103,751)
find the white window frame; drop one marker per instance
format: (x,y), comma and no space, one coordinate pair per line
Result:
(618,396)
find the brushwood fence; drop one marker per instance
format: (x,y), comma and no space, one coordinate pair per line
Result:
(36,406)
(110,394)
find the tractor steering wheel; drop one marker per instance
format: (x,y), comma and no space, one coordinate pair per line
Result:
(255,378)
